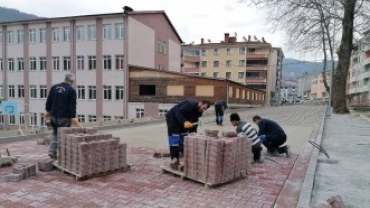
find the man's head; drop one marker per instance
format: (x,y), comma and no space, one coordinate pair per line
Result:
(256,119)
(234,119)
(70,78)
(204,105)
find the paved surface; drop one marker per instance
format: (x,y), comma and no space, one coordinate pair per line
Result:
(347,140)
(145,186)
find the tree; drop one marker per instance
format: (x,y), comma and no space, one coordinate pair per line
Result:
(311,26)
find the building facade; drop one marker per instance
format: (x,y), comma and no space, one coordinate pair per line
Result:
(318,90)
(358,80)
(255,64)
(36,54)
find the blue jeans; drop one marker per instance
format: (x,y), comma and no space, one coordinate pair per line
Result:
(55,123)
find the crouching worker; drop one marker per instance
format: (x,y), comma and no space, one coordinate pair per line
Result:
(180,122)
(246,129)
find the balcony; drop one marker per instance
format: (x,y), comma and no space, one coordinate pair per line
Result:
(191,70)
(256,68)
(257,56)
(253,80)
(191,58)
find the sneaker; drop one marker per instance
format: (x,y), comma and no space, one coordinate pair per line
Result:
(261,159)
(53,156)
(288,151)
(271,154)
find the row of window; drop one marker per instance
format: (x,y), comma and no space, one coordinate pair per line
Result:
(217,51)
(64,33)
(139,112)
(65,63)
(34,92)
(241,75)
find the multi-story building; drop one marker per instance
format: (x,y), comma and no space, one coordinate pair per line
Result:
(252,63)
(35,54)
(304,85)
(318,90)
(358,80)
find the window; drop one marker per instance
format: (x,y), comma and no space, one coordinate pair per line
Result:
(107,92)
(20,91)
(55,34)
(81,118)
(33,64)
(257,62)
(119,93)
(203,52)
(242,50)
(119,62)
(55,63)
(20,64)
(92,92)
(80,33)
(66,63)
(204,64)
(1,91)
(163,112)
(215,74)
(22,120)
(1,37)
(10,37)
(11,64)
(66,34)
(229,51)
(107,32)
(203,74)
(81,92)
(33,119)
(42,120)
(162,47)
(20,36)
(228,75)
(241,75)
(228,63)
(43,91)
(139,112)
(12,119)
(32,35)
(91,33)
(216,64)
(107,62)
(92,62)
(1,118)
(119,31)
(251,50)
(241,62)
(33,91)
(42,63)
(146,89)
(11,91)
(92,118)
(42,35)
(107,118)
(80,62)
(216,51)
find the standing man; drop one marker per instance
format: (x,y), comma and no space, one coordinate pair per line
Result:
(246,129)
(61,108)
(180,121)
(220,107)
(272,136)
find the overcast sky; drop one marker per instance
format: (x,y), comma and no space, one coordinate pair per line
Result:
(193,19)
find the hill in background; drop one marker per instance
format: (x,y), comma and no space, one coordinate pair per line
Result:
(293,68)
(9,15)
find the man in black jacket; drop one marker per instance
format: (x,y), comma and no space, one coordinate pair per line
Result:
(272,136)
(61,108)
(180,122)
(220,107)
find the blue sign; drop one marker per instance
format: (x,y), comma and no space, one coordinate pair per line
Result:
(9,107)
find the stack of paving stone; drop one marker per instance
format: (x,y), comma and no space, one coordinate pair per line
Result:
(216,160)
(85,152)
(20,172)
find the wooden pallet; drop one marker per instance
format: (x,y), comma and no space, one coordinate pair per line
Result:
(79,177)
(167,169)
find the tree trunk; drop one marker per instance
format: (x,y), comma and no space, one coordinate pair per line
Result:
(344,55)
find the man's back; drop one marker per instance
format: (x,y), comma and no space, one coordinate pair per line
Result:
(267,126)
(248,130)
(61,101)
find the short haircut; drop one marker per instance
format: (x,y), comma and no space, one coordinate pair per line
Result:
(206,102)
(234,117)
(255,118)
(69,77)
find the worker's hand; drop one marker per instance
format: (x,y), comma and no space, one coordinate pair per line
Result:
(75,122)
(46,115)
(188,125)
(262,138)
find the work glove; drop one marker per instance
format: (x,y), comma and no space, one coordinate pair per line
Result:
(46,115)
(75,122)
(262,138)
(188,125)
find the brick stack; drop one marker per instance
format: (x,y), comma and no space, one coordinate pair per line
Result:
(85,152)
(216,160)
(20,172)
(45,165)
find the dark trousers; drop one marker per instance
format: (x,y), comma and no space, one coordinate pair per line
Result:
(55,123)
(219,115)
(175,138)
(274,141)
(256,150)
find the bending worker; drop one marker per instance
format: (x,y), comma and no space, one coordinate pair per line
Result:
(180,119)
(220,107)
(272,136)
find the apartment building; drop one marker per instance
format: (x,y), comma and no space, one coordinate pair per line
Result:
(255,64)
(318,90)
(358,80)
(35,54)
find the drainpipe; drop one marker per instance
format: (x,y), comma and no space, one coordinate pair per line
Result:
(126,60)
(227,92)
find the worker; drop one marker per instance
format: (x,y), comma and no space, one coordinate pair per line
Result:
(220,107)
(181,120)
(246,129)
(61,107)
(272,136)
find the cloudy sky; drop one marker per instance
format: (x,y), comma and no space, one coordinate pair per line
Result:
(193,19)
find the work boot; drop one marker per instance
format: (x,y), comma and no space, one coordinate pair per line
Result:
(261,159)
(175,164)
(53,156)
(288,151)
